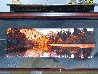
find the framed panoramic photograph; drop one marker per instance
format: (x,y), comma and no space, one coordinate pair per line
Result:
(41,43)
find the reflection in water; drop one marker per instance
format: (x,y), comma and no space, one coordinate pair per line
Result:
(31,43)
(54,51)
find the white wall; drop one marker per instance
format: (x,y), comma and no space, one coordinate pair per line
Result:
(5,8)
(96,7)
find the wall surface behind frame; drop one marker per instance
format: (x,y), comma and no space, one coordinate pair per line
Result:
(5,8)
